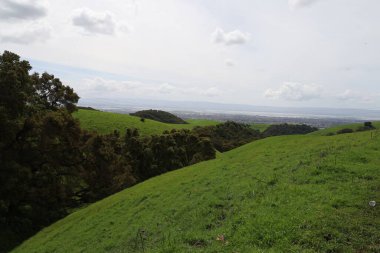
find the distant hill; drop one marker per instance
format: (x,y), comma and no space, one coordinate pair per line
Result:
(86,108)
(299,193)
(161,116)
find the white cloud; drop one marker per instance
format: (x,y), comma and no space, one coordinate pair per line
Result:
(27,35)
(97,22)
(166,88)
(294,4)
(211,92)
(348,95)
(22,9)
(229,63)
(295,92)
(97,85)
(229,38)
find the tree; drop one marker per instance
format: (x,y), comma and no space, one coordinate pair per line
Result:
(40,144)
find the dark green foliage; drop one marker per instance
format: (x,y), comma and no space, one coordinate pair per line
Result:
(366,127)
(108,170)
(288,129)
(39,144)
(87,108)
(158,154)
(160,116)
(345,131)
(228,135)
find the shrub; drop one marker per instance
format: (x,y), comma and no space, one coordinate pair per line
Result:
(228,135)
(345,131)
(288,129)
(366,126)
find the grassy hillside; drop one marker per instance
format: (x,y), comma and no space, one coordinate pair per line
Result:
(333,130)
(158,115)
(260,126)
(289,193)
(106,122)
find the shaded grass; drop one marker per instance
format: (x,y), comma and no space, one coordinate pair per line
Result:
(260,126)
(282,194)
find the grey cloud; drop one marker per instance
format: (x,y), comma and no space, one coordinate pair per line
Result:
(105,86)
(229,63)
(30,35)
(22,9)
(294,4)
(349,95)
(96,22)
(295,92)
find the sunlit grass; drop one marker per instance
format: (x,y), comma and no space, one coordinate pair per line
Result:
(107,122)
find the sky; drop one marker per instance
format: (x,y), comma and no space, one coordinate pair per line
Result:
(295,53)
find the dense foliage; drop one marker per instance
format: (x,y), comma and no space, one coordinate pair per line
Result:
(160,116)
(228,135)
(288,129)
(48,164)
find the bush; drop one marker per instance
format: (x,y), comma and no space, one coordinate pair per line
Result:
(288,129)
(366,127)
(228,135)
(345,131)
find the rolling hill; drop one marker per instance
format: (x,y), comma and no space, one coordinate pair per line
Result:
(158,115)
(106,122)
(305,193)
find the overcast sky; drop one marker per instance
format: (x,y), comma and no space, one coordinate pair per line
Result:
(323,53)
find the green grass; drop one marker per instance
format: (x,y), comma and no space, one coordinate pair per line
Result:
(106,122)
(334,129)
(283,194)
(260,126)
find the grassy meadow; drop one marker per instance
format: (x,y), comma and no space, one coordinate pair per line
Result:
(305,193)
(106,122)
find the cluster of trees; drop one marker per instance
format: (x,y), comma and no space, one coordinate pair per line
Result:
(288,129)
(365,127)
(160,116)
(228,135)
(49,165)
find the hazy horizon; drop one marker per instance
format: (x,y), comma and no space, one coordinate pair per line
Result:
(127,105)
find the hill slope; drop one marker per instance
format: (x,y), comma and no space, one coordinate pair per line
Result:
(295,193)
(106,122)
(334,130)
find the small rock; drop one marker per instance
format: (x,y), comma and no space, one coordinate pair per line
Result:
(372,203)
